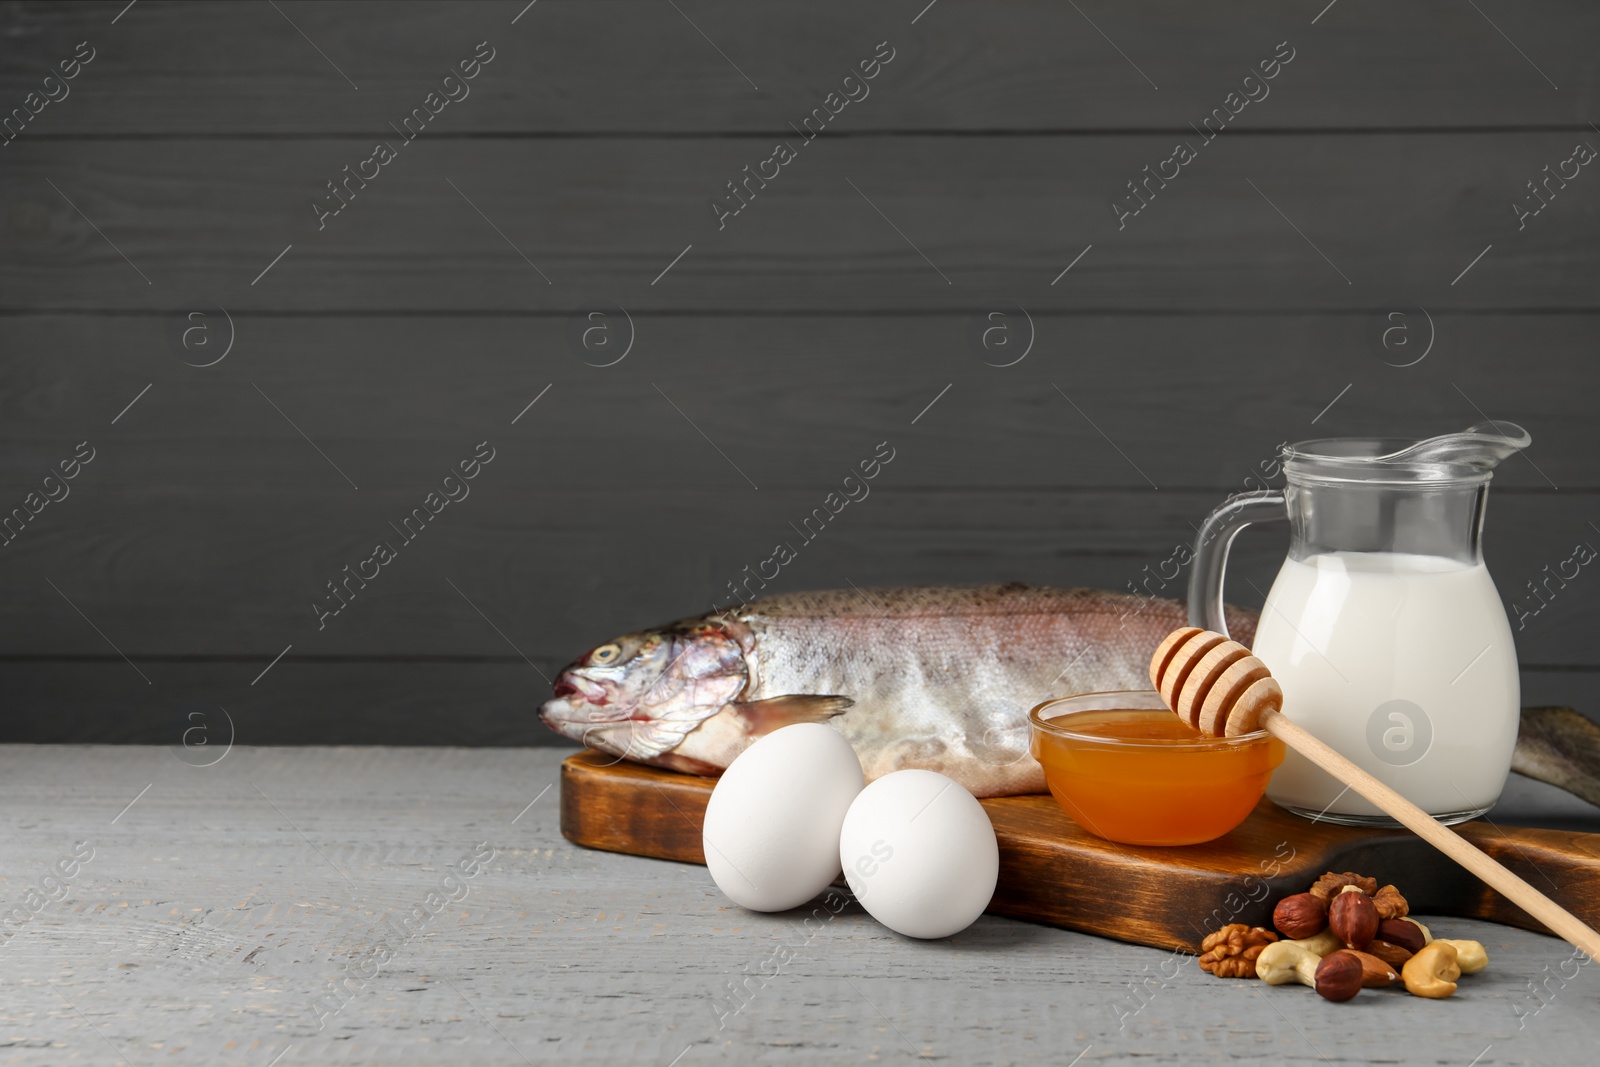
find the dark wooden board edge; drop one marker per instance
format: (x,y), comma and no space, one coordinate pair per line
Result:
(1052,872)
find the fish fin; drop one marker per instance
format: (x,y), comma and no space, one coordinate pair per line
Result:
(1561,747)
(774,713)
(687,764)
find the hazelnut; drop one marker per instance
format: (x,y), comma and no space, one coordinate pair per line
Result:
(1301,915)
(1339,975)
(1393,955)
(1402,932)
(1352,918)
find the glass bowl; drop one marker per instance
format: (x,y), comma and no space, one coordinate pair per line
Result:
(1127,769)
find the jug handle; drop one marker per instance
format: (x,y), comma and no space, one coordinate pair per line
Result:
(1211,546)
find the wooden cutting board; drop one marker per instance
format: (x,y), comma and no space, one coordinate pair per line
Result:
(1053,872)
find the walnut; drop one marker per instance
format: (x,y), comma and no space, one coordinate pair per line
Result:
(1231,952)
(1331,883)
(1390,904)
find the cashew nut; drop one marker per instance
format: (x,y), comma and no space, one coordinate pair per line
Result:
(1283,962)
(1318,944)
(1432,972)
(1470,956)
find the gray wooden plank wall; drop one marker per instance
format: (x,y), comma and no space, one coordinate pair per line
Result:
(1244,305)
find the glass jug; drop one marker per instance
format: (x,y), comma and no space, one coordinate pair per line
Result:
(1383,626)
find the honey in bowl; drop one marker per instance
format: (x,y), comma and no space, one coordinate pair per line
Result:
(1126,769)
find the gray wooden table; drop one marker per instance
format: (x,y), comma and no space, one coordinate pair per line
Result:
(310,905)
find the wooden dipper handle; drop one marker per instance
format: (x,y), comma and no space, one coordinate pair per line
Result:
(1219,688)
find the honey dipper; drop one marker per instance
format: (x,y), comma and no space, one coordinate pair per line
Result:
(1216,685)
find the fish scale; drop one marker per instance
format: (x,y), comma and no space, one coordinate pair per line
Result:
(942,678)
(937,677)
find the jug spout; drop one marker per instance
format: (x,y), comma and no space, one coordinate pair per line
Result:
(1481,447)
(1468,455)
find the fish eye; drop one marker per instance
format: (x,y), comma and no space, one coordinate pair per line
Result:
(605,654)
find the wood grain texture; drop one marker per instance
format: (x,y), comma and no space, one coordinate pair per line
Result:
(226,900)
(1397,216)
(414,323)
(1054,872)
(206,501)
(576,68)
(792,398)
(554,590)
(479,700)
(463,701)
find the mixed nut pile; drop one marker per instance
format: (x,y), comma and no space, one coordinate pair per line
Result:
(1343,935)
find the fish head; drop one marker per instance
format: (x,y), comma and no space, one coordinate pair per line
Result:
(639,696)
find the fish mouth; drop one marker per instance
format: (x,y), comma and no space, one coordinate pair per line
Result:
(570,685)
(565,718)
(575,708)
(591,727)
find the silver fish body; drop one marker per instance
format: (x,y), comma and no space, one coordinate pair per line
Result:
(1561,747)
(940,678)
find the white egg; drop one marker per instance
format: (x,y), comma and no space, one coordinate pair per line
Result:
(919,853)
(771,831)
